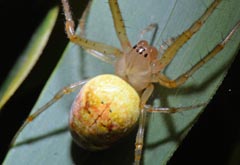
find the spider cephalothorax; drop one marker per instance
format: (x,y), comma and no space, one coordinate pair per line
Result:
(137,66)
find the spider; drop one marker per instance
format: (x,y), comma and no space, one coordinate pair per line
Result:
(137,65)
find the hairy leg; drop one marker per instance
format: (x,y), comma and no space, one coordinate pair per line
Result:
(119,26)
(57,96)
(165,81)
(179,41)
(101,51)
(142,122)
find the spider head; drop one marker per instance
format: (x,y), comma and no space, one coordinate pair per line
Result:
(144,50)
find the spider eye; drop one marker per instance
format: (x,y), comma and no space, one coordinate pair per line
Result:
(134,47)
(145,55)
(140,50)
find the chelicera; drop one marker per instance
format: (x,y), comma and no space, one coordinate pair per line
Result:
(137,67)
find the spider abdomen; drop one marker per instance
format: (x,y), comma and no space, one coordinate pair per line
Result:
(105,110)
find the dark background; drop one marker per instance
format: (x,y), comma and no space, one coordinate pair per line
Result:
(215,139)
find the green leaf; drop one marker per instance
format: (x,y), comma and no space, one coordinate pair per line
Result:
(28,58)
(47,141)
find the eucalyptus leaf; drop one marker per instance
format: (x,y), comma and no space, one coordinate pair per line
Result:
(47,140)
(28,58)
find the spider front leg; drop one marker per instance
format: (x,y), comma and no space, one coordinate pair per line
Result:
(98,49)
(165,81)
(57,96)
(119,26)
(178,42)
(150,28)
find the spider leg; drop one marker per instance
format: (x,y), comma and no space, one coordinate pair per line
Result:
(142,122)
(171,51)
(150,108)
(165,81)
(57,96)
(143,116)
(82,20)
(102,50)
(119,26)
(140,136)
(152,27)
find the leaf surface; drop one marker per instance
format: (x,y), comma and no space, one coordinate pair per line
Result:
(47,140)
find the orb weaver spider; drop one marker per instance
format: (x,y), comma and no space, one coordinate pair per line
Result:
(148,60)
